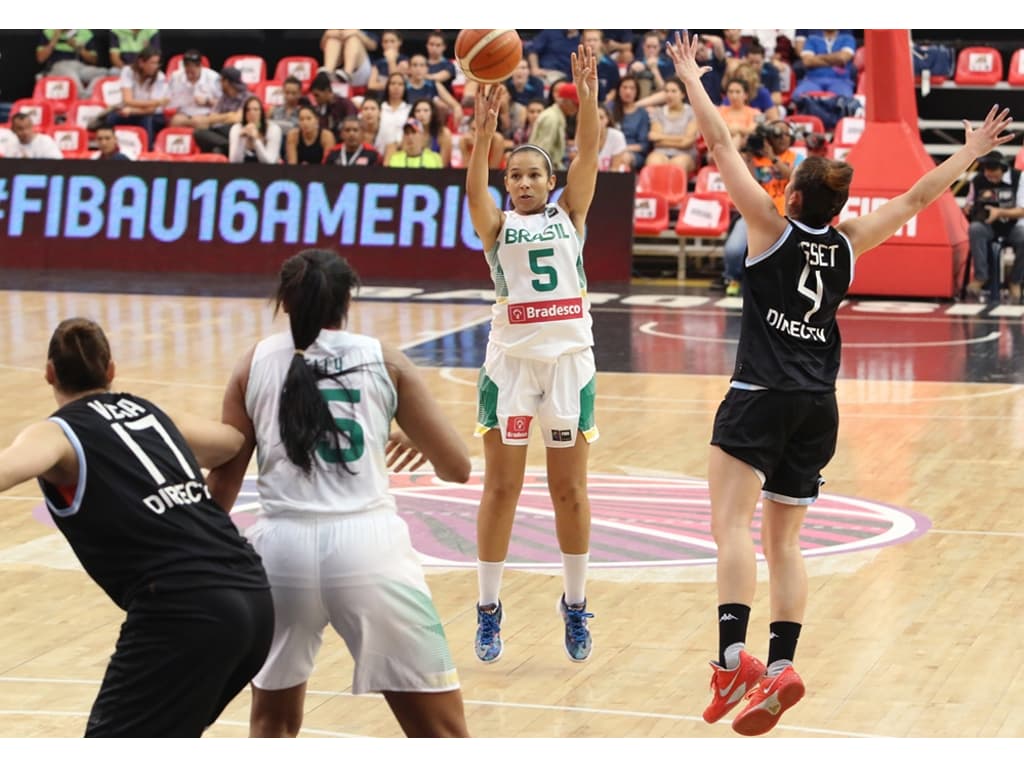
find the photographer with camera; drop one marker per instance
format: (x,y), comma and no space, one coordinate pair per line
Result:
(771,160)
(995,207)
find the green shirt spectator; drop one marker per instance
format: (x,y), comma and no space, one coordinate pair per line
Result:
(125,44)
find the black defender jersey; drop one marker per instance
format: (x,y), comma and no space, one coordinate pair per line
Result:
(140,516)
(789,338)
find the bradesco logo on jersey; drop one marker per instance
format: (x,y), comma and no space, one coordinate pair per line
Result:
(545,311)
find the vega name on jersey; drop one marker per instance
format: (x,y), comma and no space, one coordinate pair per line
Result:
(127,417)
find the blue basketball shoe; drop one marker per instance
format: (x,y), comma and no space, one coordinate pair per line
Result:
(577,634)
(488,634)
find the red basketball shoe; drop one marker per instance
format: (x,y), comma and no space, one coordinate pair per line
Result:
(767,702)
(728,686)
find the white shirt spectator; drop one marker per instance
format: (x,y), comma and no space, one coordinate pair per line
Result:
(158,89)
(268,151)
(195,98)
(392,120)
(614,144)
(42,147)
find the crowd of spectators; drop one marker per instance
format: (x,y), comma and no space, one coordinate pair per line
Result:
(360,66)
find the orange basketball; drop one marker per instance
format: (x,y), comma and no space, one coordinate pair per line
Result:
(488,55)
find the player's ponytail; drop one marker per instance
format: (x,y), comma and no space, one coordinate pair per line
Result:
(825,185)
(315,290)
(80,354)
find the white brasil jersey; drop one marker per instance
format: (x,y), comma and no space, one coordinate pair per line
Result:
(541,309)
(362,402)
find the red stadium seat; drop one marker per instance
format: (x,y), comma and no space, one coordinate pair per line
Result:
(848,131)
(301,67)
(978,65)
(132,139)
(270,92)
(108,90)
(58,91)
(72,140)
(709,180)
(704,214)
(650,214)
(81,113)
(252,66)
(666,179)
(41,111)
(176,140)
(1016,74)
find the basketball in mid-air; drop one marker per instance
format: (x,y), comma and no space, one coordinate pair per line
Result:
(488,55)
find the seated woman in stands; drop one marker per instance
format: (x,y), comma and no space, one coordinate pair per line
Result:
(255,139)
(145,93)
(673,133)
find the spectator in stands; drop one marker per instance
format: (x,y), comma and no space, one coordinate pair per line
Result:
(330,107)
(440,69)
(212,130)
(770,157)
(522,88)
(347,54)
(995,208)
(145,93)
(770,75)
(607,69)
(653,67)
(127,44)
(394,111)
(673,134)
(758,97)
(736,49)
(414,152)
(195,89)
(107,146)
(826,59)
(308,143)
(613,155)
(369,119)
(633,120)
(353,150)
(417,87)
(286,114)
(549,53)
(254,139)
(774,42)
(70,53)
(521,131)
(550,131)
(390,61)
(496,149)
(740,117)
(619,46)
(439,136)
(31,144)
(715,56)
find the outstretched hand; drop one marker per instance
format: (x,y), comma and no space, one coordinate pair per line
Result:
(485,115)
(402,453)
(683,53)
(584,72)
(990,135)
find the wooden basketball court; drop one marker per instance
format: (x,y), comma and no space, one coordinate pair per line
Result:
(916,559)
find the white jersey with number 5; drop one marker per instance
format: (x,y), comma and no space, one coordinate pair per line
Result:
(541,309)
(362,402)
